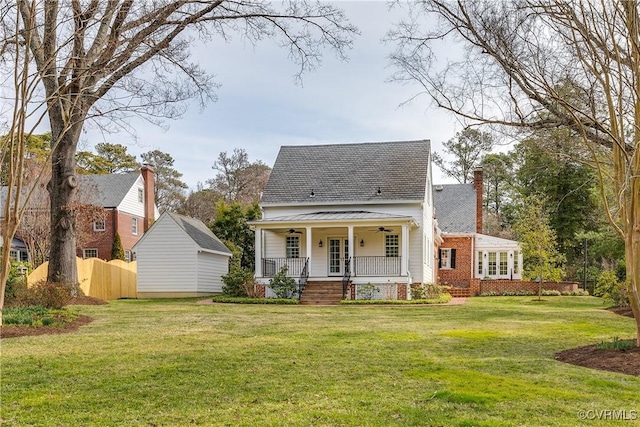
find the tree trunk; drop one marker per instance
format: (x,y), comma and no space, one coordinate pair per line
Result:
(632,252)
(62,189)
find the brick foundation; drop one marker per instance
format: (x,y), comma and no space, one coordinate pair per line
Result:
(402,291)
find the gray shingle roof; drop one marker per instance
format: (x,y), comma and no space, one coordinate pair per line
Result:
(455,207)
(199,233)
(349,172)
(109,189)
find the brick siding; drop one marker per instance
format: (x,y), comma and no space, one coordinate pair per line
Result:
(459,276)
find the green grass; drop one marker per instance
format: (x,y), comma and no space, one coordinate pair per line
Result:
(175,363)
(36,316)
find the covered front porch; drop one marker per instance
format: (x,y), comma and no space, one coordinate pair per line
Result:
(363,246)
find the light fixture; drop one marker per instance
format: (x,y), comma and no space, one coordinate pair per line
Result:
(320,243)
(485,254)
(361,243)
(313,194)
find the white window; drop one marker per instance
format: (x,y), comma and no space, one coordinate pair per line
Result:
(127,255)
(480,266)
(516,262)
(503,264)
(140,195)
(493,265)
(391,245)
(99,225)
(13,254)
(293,247)
(134,225)
(447,258)
(90,253)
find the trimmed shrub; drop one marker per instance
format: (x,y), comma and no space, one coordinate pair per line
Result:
(611,290)
(427,291)
(283,286)
(368,291)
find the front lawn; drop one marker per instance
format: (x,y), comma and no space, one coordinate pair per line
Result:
(173,363)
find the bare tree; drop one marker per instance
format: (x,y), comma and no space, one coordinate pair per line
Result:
(542,64)
(238,180)
(109,60)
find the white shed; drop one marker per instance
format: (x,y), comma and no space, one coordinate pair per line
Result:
(180,257)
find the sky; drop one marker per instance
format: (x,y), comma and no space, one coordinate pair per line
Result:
(260,107)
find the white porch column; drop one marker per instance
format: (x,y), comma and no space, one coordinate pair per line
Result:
(258,252)
(404,265)
(309,247)
(351,247)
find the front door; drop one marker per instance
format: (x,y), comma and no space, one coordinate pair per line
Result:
(338,255)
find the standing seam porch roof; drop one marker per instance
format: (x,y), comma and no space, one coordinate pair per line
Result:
(349,172)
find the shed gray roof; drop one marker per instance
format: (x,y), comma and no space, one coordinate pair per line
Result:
(455,207)
(199,233)
(109,189)
(349,172)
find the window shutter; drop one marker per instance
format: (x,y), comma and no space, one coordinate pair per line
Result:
(453,258)
(439,258)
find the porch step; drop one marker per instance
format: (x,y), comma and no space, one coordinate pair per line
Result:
(460,292)
(322,293)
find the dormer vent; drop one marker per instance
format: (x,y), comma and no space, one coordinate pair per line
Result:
(439,188)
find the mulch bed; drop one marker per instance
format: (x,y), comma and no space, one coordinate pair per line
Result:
(623,361)
(13,331)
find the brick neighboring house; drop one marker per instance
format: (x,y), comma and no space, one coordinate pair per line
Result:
(128,201)
(466,256)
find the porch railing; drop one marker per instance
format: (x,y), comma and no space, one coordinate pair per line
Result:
(302,281)
(295,266)
(346,277)
(376,266)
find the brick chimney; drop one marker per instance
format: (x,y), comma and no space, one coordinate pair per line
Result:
(148,176)
(477,185)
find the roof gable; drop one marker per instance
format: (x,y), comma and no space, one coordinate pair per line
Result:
(202,236)
(109,189)
(349,172)
(455,207)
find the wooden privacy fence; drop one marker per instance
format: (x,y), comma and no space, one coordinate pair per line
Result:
(100,279)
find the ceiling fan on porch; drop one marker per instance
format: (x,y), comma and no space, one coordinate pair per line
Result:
(382,230)
(293,231)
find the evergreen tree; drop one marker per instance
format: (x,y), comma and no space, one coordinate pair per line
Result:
(117,251)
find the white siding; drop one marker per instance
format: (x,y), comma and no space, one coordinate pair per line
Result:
(130,203)
(167,259)
(409,209)
(427,231)
(274,244)
(211,268)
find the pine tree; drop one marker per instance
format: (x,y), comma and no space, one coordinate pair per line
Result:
(117,251)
